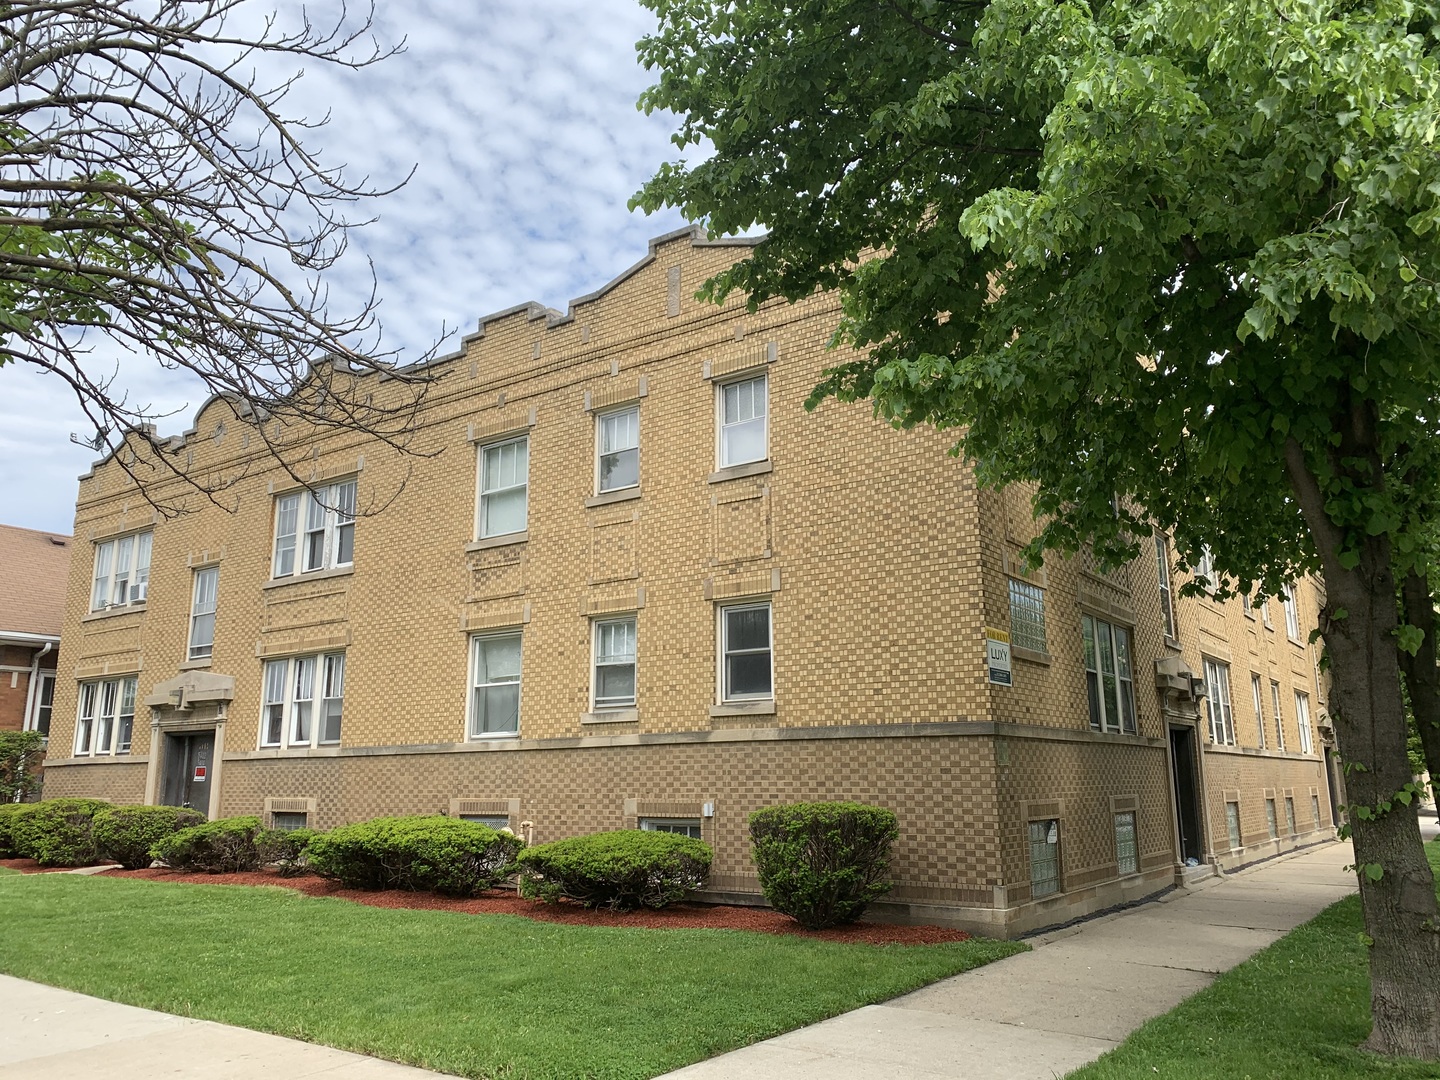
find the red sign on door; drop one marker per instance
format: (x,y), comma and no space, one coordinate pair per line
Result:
(199,774)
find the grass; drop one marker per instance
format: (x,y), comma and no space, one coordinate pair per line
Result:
(475,995)
(1294,1011)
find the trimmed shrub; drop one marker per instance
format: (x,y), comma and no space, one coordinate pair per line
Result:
(420,854)
(286,849)
(823,863)
(20,755)
(57,832)
(626,869)
(8,812)
(225,846)
(126,834)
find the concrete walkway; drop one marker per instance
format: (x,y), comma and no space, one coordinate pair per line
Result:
(1078,994)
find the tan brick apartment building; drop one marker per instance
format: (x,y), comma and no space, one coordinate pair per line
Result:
(636,584)
(34,575)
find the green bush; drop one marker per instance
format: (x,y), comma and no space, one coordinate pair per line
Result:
(8,813)
(422,854)
(823,863)
(20,755)
(57,832)
(126,834)
(286,848)
(618,870)
(226,846)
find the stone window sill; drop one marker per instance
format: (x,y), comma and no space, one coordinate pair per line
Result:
(736,472)
(113,612)
(195,665)
(611,716)
(503,540)
(605,498)
(744,708)
(1030,655)
(309,575)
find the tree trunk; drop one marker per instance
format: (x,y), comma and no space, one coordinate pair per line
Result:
(1368,713)
(1422,676)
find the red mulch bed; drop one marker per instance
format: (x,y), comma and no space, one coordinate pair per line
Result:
(30,866)
(504,902)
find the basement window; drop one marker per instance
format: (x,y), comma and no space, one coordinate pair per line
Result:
(1044,858)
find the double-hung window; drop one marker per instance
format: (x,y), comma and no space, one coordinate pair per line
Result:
(44,704)
(1027,616)
(304,701)
(1258,696)
(314,530)
(744,420)
(1205,568)
(613,684)
(107,717)
(495,685)
(1292,613)
(1264,606)
(1279,719)
(1217,703)
(1167,597)
(746,668)
(617,449)
(122,571)
(1302,721)
(202,613)
(1109,681)
(504,487)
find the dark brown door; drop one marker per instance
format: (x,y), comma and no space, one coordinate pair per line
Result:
(1187,800)
(188,767)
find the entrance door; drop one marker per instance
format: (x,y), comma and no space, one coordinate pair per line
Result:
(1187,801)
(1330,785)
(188,768)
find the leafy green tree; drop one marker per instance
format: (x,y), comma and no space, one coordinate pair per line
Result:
(20,755)
(1183,251)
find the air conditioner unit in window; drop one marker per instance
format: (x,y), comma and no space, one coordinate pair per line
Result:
(137,592)
(1173,677)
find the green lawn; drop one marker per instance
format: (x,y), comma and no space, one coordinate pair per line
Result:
(1295,1011)
(477,995)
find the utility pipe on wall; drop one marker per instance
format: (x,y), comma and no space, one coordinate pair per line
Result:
(34,678)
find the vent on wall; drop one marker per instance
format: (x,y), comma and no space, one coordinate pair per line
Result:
(289,806)
(484,806)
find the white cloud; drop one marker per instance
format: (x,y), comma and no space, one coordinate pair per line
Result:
(520,121)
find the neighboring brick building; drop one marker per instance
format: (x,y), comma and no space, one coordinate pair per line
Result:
(34,574)
(636,583)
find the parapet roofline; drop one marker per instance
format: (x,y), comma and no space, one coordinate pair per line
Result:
(533,311)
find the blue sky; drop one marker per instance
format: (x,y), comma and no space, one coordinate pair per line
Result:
(520,120)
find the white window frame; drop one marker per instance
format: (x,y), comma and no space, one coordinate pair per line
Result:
(1264,606)
(1102,633)
(326,514)
(1218,707)
(597,704)
(204,596)
(722,632)
(678,826)
(484,494)
(1257,692)
(122,571)
(43,706)
(1302,721)
(601,421)
(1167,594)
(1292,613)
(1205,568)
(722,425)
(1027,616)
(1279,717)
(103,726)
(322,677)
(477,643)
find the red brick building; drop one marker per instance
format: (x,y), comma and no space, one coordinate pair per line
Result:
(34,569)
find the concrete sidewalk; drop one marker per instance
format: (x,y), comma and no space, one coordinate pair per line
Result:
(1077,995)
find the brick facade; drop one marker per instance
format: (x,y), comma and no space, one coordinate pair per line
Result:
(882,563)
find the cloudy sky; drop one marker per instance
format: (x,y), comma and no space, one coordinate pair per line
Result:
(520,119)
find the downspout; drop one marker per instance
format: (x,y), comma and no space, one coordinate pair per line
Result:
(34,678)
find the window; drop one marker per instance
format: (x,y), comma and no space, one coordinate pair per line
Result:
(1127,854)
(614,681)
(304,701)
(44,703)
(1205,568)
(1108,677)
(1292,613)
(107,717)
(490,821)
(743,420)
(1245,607)
(504,487)
(1279,720)
(202,613)
(495,685)
(314,530)
(122,571)
(289,820)
(1232,824)
(1167,599)
(1315,808)
(1027,616)
(746,660)
(1257,694)
(1264,606)
(1270,818)
(1290,814)
(1044,858)
(1217,703)
(683,826)
(1302,721)
(618,449)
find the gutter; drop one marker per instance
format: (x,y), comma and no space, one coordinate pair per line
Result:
(34,678)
